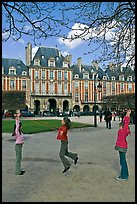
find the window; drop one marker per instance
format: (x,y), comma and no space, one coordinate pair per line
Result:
(2,70)
(51,88)
(129,78)
(113,85)
(104,77)
(121,78)
(129,87)
(86,84)
(104,85)
(65,88)
(85,76)
(51,63)
(24,73)
(113,78)
(65,64)
(36,88)
(36,74)
(12,84)
(23,84)
(65,75)
(43,87)
(76,97)
(37,62)
(51,74)
(59,88)
(76,84)
(59,75)
(76,76)
(86,96)
(43,74)
(121,86)
(12,72)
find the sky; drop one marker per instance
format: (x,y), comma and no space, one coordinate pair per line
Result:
(77,48)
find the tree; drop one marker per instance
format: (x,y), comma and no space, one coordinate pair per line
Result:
(110,25)
(13,100)
(121,101)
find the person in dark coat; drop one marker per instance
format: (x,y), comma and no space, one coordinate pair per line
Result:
(108,118)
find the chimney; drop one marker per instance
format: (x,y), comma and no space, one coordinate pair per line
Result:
(111,65)
(95,64)
(28,54)
(70,59)
(79,63)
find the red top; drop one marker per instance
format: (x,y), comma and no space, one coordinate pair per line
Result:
(126,121)
(121,138)
(64,131)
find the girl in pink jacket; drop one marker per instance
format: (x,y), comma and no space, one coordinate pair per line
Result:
(19,141)
(121,146)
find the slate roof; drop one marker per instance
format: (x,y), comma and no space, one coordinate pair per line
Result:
(89,69)
(45,53)
(127,71)
(17,63)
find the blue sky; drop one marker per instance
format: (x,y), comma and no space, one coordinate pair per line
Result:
(77,48)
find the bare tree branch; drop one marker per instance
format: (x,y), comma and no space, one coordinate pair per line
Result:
(109,25)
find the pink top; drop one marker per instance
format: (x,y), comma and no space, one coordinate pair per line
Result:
(19,137)
(126,120)
(121,138)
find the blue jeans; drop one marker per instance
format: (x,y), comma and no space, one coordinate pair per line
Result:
(124,168)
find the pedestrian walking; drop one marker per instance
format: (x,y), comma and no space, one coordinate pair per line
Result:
(108,118)
(19,141)
(100,115)
(121,146)
(62,135)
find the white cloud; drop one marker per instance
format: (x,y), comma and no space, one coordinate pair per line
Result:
(27,28)
(21,41)
(85,33)
(76,30)
(5,35)
(65,53)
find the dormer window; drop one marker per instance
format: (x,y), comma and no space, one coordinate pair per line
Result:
(85,76)
(76,76)
(24,73)
(121,78)
(2,70)
(12,71)
(129,78)
(104,77)
(37,62)
(113,78)
(51,62)
(65,64)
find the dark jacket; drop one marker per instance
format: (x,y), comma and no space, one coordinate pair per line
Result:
(108,115)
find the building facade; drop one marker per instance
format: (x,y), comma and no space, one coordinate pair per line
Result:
(53,84)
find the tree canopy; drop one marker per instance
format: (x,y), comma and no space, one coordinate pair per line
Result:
(111,25)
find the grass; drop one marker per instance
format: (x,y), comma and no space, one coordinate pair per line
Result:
(36,126)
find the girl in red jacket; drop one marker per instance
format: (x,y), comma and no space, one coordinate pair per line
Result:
(62,135)
(122,146)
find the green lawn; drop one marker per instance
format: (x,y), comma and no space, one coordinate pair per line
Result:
(36,126)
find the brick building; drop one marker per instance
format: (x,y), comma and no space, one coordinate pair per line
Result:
(53,84)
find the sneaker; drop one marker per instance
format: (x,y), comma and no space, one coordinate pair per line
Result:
(66,169)
(75,161)
(20,173)
(119,178)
